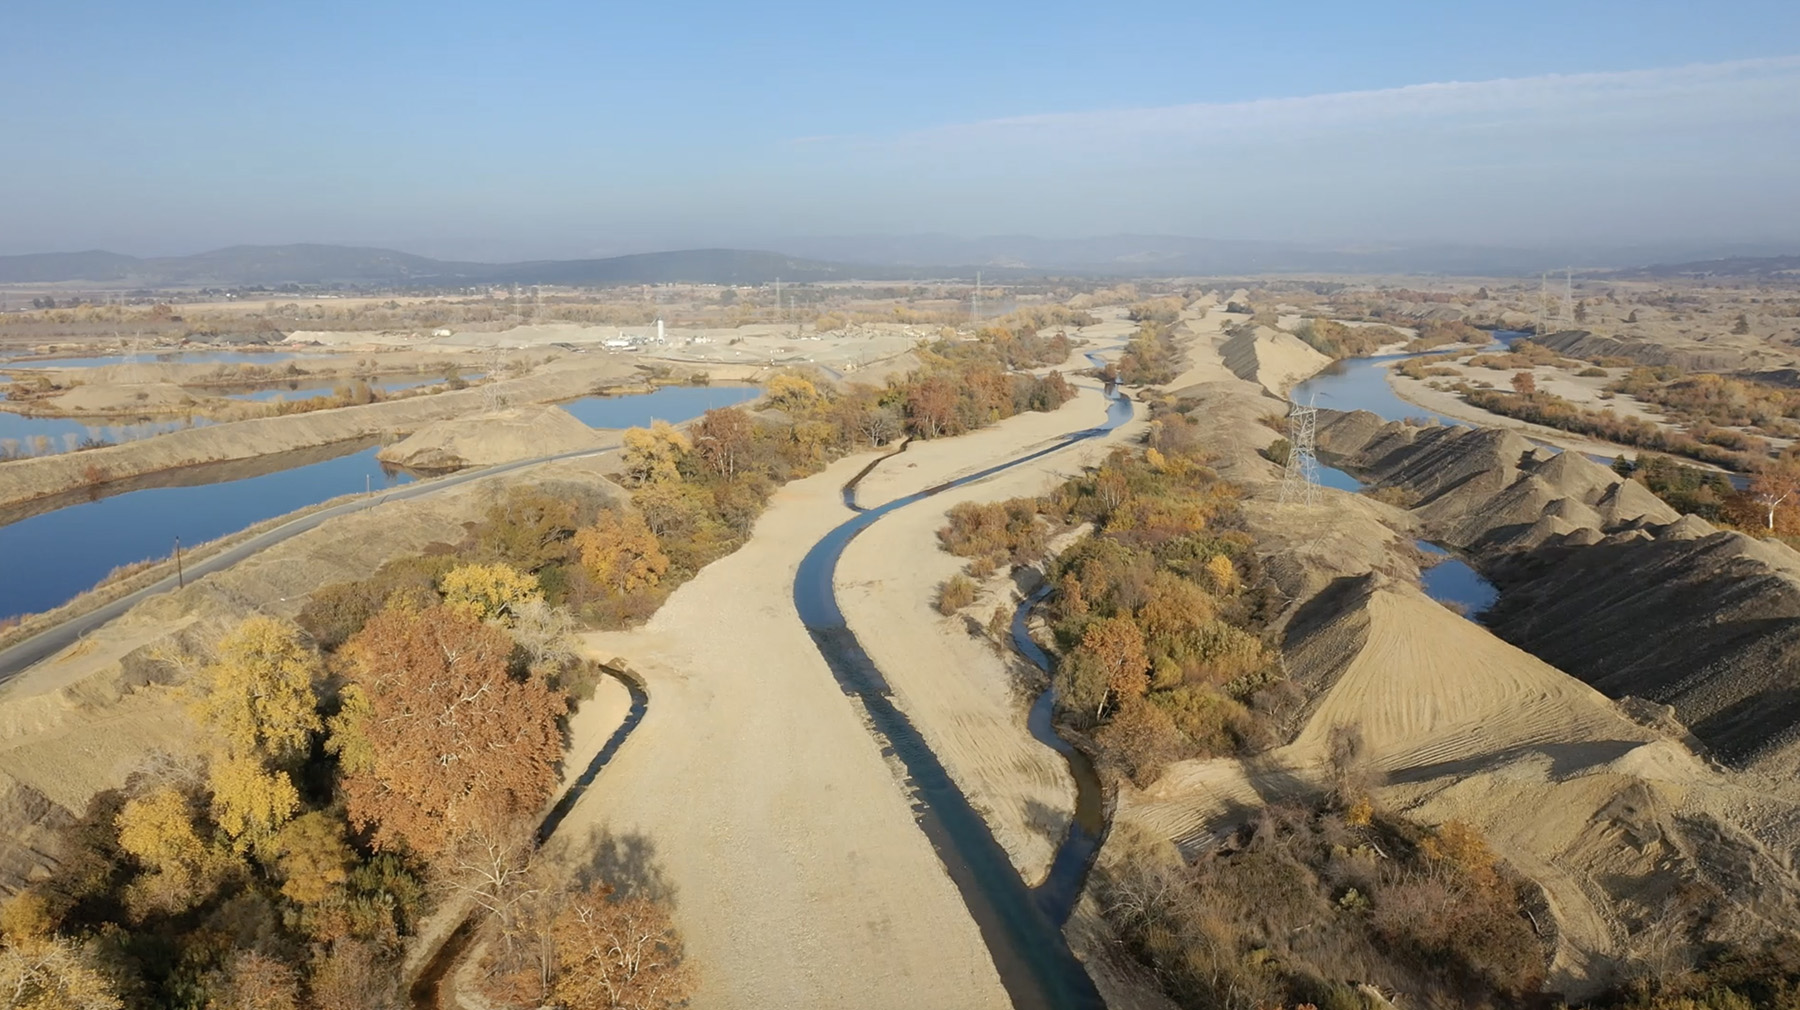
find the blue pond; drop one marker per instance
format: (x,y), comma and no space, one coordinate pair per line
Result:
(1361,384)
(1451,580)
(670,403)
(47,559)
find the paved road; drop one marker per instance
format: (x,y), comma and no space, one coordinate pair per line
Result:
(50,641)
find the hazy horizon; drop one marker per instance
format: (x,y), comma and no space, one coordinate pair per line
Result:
(552,131)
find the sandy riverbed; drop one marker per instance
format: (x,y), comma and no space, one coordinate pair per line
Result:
(964,694)
(760,798)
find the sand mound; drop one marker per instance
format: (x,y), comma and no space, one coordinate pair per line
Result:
(1582,344)
(1460,725)
(1707,622)
(1485,488)
(486,439)
(123,398)
(1272,358)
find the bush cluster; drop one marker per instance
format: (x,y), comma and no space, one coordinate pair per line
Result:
(1305,903)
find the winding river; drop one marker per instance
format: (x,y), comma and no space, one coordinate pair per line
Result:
(1362,384)
(1021,925)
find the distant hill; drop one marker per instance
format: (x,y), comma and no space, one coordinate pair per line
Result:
(48,268)
(1176,255)
(1746,267)
(270,266)
(870,258)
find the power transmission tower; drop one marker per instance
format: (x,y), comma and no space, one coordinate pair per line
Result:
(1300,481)
(975,305)
(491,395)
(1567,320)
(1543,319)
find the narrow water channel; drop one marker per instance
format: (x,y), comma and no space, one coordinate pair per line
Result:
(1024,938)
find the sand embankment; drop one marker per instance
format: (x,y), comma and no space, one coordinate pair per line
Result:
(498,437)
(25,479)
(967,698)
(1271,358)
(1705,621)
(1485,489)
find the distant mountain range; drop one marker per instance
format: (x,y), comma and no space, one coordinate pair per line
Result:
(870,258)
(1174,255)
(270,266)
(1744,267)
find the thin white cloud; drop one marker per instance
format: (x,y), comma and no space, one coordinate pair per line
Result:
(1747,89)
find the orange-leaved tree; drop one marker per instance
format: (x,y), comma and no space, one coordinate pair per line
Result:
(436,737)
(1775,488)
(1117,647)
(723,439)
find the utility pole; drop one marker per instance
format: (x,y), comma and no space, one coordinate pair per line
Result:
(180,578)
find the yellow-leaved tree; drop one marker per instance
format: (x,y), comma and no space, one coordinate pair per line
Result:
(488,592)
(261,700)
(52,974)
(249,801)
(311,857)
(157,830)
(263,711)
(791,392)
(620,553)
(654,454)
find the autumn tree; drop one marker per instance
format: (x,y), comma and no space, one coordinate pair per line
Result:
(1774,487)
(492,592)
(653,455)
(353,975)
(157,829)
(311,858)
(1524,383)
(436,737)
(617,953)
(528,528)
(620,553)
(791,392)
(43,973)
(722,439)
(252,980)
(931,406)
(250,801)
(261,700)
(1117,647)
(263,711)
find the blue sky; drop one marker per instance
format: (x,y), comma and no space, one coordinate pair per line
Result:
(561,128)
